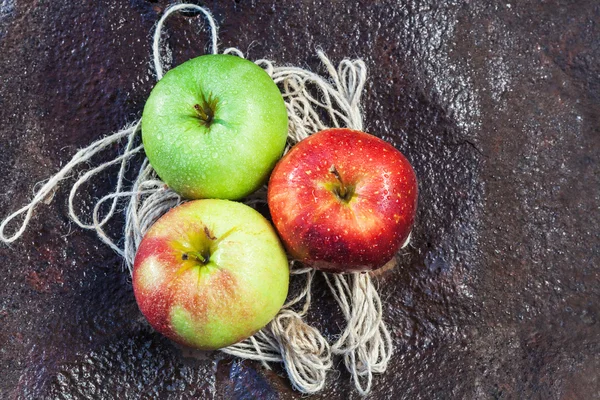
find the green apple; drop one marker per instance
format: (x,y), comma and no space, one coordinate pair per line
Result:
(214,127)
(210,273)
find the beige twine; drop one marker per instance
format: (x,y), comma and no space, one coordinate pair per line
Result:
(364,344)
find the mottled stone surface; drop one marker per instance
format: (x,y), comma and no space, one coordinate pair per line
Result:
(496,104)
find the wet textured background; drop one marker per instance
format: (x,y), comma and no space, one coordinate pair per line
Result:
(497,105)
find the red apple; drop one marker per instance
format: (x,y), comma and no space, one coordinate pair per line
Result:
(210,273)
(343,200)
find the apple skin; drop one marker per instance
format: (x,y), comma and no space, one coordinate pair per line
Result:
(214,127)
(236,291)
(353,217)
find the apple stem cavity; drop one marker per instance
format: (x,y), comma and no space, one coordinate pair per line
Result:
(342,191)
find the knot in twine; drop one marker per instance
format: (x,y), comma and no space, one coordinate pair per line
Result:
(313,103)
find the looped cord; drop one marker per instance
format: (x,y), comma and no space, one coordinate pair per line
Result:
(365,344)
(47,190)
(313,103)
(339,97)
(157,32)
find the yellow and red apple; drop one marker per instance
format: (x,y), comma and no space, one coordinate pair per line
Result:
(343,200)
(210,273)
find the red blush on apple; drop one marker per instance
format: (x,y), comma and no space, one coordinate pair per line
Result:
(343,200)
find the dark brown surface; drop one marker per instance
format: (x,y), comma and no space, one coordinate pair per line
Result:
(496,104)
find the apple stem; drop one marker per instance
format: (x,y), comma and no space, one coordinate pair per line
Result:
(196,256)
(342,191)
(205,113)
(206,109)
